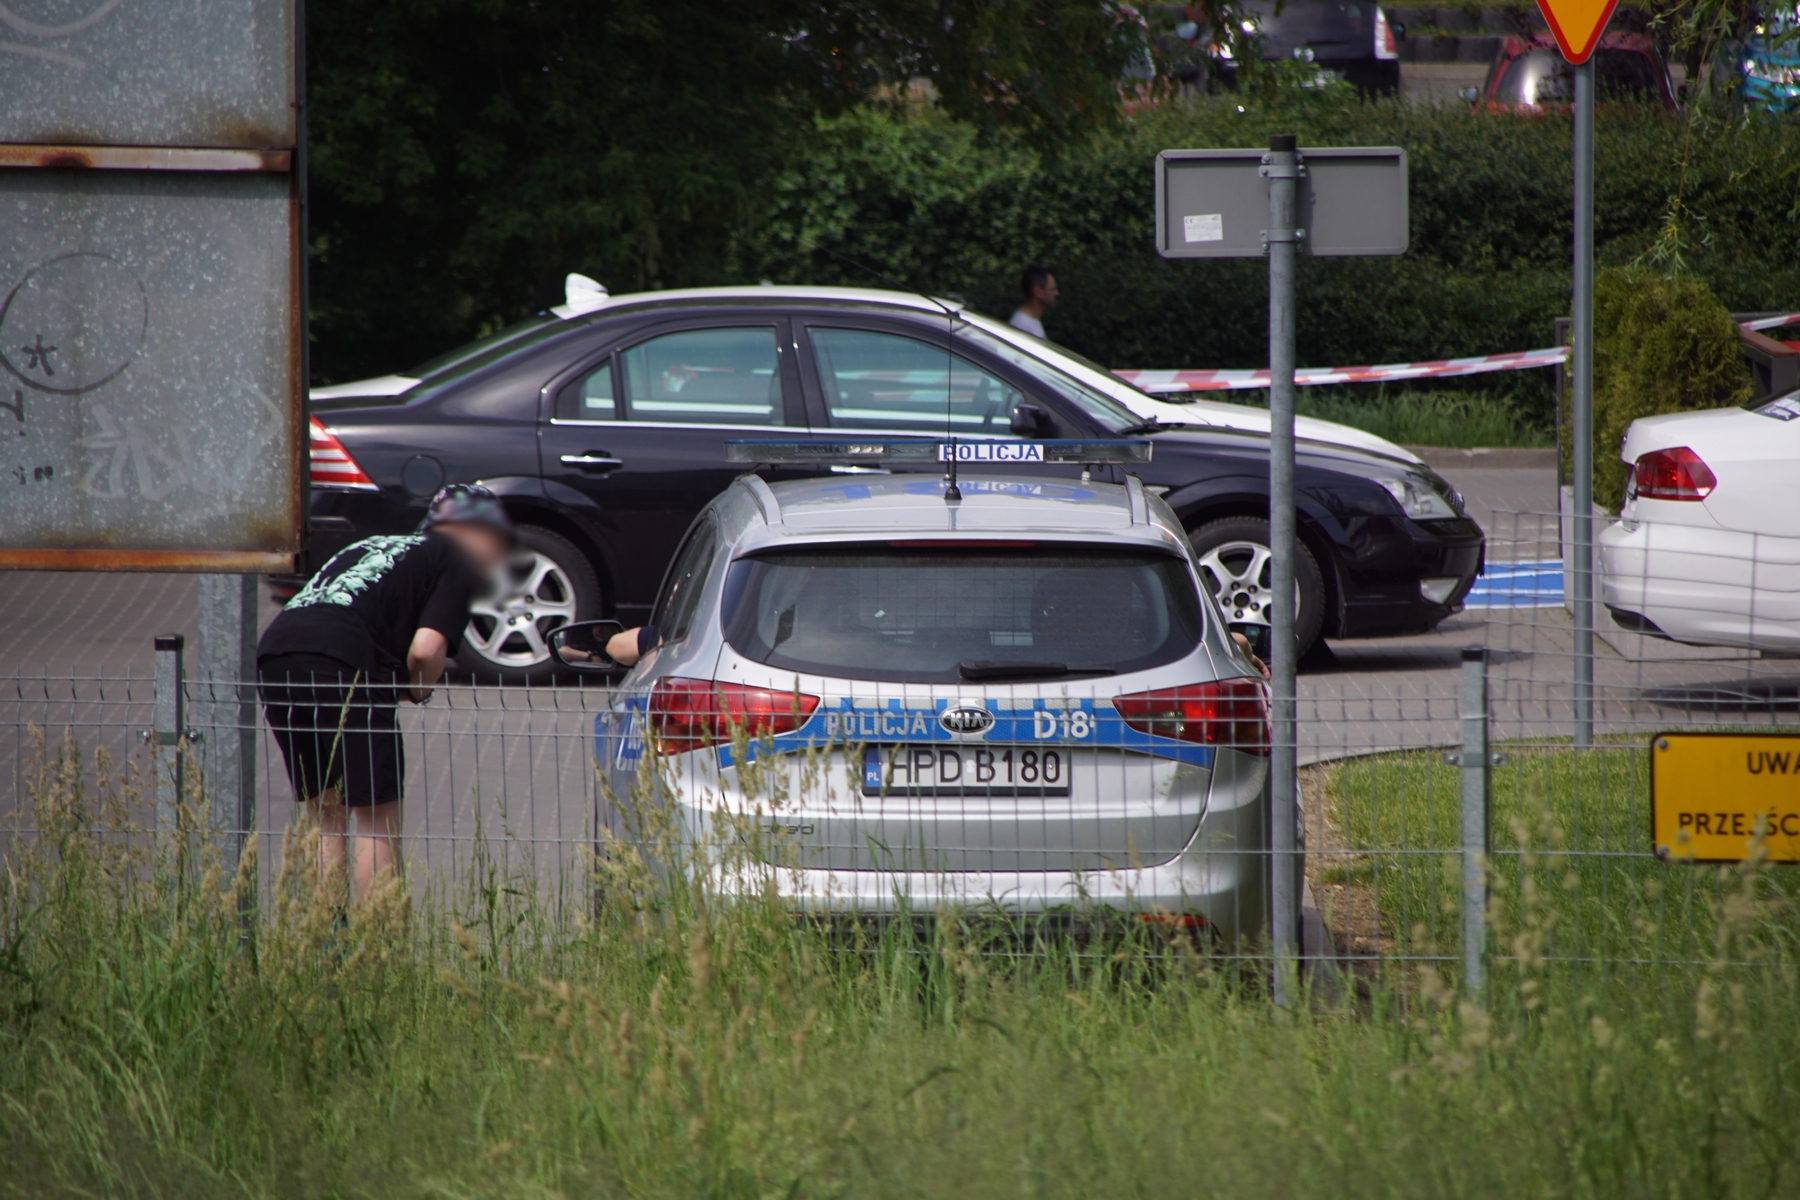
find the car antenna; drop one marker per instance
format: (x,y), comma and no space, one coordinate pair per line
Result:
(952,493)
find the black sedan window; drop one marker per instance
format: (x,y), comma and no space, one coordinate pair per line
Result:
(705,377)
(478,356)
(885,381)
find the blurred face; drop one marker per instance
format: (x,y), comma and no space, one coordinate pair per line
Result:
(487,546)
(1045,293)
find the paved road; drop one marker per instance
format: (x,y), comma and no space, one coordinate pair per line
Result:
(514,765)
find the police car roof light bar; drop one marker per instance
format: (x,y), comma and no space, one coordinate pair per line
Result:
(956,452)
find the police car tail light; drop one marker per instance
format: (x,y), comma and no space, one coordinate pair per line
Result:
(693,714)
(332,466)
(1676,474)
(1231,713)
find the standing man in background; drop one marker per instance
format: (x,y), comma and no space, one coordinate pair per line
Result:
(1037,287)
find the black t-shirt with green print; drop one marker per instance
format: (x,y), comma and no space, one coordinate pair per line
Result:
(364,605)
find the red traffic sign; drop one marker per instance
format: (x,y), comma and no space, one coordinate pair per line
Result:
(1577,24)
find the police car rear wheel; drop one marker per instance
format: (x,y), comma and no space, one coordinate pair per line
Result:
(1234,557)
(549,583)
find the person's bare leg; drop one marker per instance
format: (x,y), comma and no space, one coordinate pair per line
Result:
(333,830)
(377,842)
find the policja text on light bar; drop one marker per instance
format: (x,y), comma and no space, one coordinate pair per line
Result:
(921,451)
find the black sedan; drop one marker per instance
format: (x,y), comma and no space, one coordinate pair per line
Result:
(603,424)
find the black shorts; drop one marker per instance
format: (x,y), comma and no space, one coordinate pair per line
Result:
(336,727)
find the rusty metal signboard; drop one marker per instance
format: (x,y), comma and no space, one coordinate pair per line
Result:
(147,72)
(152,413)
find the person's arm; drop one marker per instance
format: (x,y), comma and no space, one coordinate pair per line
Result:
(627,647)
(1244,645)
(425,662)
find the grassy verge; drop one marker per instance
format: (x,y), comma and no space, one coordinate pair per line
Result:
(1569,842)
(166,1029)
(1463,419)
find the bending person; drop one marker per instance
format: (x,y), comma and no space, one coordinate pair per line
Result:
(374,625)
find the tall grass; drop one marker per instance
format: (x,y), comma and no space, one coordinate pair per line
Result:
(170,1029)
(1387,855)
(1464,419)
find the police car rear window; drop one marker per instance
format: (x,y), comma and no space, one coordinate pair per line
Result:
(907,614)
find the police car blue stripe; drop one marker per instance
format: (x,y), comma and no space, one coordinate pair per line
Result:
(619,737)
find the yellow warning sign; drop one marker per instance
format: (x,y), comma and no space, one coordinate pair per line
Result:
(1708,789)
(1577,24)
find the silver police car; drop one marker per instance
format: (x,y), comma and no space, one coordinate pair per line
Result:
(1022,698)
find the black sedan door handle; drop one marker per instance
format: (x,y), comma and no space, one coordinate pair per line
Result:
(595,461)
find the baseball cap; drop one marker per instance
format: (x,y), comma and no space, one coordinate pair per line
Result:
(467,503)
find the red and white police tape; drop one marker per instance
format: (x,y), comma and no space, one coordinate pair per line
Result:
(1518,360)
(1221,381)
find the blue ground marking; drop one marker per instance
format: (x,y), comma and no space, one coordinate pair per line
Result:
(1518,585)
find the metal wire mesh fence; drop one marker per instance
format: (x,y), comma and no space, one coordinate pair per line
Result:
(873,800)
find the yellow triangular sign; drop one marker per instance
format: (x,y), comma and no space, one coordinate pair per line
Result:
(1577,24)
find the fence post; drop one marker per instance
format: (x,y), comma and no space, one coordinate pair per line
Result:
(1476,764)
(169,728)
(1282,166)
(226,666)
(1581,436)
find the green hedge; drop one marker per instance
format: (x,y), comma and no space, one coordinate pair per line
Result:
(1661,345)
(923,201)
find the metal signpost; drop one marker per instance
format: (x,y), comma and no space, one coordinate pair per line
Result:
(1247,203)
(152,323)
(1578,25)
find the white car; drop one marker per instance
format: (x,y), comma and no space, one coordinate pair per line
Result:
(1707,548)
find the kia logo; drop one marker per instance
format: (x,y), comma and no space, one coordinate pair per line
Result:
(966,718)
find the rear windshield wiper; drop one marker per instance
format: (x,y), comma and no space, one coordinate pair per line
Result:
(971,669)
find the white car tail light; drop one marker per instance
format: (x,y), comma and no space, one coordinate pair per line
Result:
(1385,46)
(1676,474)
(332,466)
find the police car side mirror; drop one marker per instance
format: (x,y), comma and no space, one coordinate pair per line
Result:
(582,646)
(1028,420)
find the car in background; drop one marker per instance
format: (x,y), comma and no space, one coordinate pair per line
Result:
(603,426)
(1345,40)
(1767,63)
(875,700)
(1531,75)
(1707,546)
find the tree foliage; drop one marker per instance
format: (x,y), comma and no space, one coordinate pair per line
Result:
(465,154)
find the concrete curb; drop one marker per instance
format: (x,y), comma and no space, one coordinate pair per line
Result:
(1498,458)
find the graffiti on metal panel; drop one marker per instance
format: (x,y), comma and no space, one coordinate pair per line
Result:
(70,326)
(73,323)
(61,19)
(127,461)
